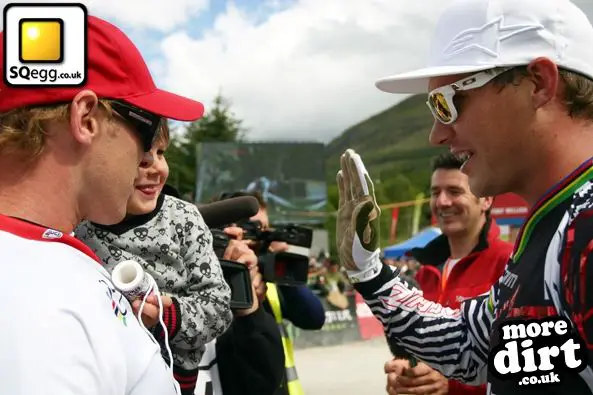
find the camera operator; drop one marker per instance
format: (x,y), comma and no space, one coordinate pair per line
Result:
(248,358)
(295,303)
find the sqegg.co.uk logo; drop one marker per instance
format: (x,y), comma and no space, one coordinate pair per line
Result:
(45,44)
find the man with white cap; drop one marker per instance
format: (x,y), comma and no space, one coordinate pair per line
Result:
(510,84)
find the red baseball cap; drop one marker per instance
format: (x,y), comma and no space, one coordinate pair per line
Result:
(116,70)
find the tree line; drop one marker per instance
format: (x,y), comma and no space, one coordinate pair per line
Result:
(219,124)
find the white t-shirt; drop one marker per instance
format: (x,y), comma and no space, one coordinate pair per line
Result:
(449,265)
(65,330)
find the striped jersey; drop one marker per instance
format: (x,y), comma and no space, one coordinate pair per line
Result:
(546,277)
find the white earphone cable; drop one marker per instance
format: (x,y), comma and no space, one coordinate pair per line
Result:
(132,281)
(154,289)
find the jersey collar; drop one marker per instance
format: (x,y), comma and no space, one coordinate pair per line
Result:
(31,231)
(551,199)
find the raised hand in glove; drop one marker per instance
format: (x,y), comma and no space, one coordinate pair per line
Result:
(357,227)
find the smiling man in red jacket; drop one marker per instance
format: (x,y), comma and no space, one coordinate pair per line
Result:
(461,263)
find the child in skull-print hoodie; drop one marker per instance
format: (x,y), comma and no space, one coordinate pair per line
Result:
(170,240)
(174,245)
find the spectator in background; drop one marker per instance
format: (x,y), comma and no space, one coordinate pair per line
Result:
(332,283)
(406,265)
(465,260)
(316,271)
(336,279)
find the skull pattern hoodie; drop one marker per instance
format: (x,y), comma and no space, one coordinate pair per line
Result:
(173,245)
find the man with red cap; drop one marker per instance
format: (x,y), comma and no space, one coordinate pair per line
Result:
(70,154)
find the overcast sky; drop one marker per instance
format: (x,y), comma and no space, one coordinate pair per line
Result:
(293,69)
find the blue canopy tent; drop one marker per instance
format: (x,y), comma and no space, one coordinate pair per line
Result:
(420,239)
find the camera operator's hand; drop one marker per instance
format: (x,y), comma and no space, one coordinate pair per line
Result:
(259,285)
(278,246)
(357,225)
(239,251)
(234,232)
(238,247)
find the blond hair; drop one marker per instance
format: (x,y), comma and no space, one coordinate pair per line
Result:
(23,131)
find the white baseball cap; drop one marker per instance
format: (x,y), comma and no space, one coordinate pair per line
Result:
(476,35)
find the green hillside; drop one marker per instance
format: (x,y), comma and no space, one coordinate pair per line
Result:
(394,146)
(394,138)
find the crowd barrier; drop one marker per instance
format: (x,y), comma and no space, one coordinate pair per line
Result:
(343,324)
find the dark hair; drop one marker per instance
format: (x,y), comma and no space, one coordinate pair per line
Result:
(255,194)
(447,161)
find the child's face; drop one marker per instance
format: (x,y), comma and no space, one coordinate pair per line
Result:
(149,182)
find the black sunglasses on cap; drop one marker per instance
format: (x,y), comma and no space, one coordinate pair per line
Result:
(146,123)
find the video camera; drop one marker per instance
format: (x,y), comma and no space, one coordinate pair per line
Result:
(235,274)
(290,267)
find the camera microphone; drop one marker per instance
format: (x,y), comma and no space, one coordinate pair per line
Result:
(228,211)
